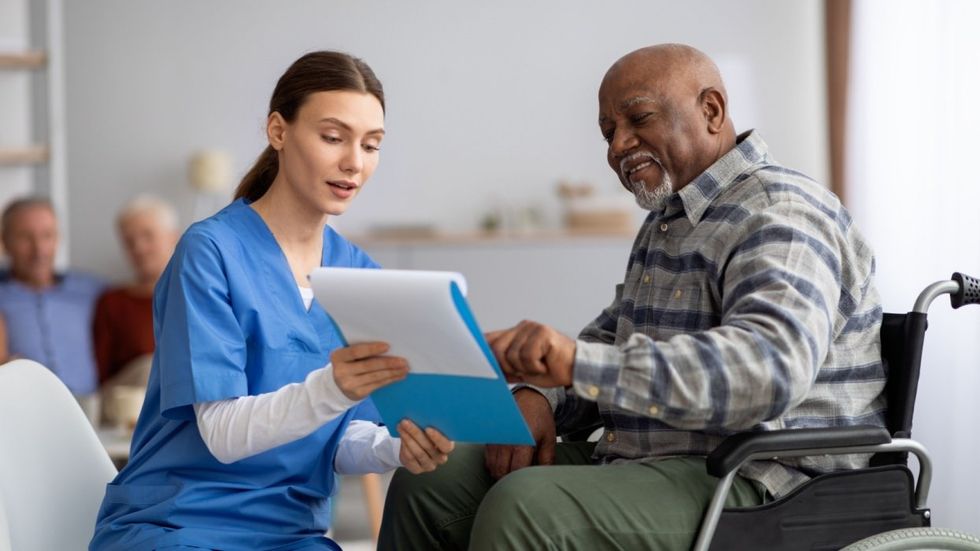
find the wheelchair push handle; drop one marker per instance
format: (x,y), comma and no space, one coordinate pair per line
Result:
(969,292)
(962,289)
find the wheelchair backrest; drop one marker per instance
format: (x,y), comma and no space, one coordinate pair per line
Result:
(902,337)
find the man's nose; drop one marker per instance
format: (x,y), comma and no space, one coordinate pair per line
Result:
(622,143)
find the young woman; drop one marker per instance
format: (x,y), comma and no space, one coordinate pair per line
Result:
(252,404)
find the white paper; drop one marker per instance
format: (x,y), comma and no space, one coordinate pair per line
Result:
(411,310)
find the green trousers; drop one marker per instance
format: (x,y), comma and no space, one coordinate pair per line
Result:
(570,505)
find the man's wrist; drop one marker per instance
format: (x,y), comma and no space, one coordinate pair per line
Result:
(549,394)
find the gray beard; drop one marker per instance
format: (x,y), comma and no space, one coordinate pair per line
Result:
(652,200)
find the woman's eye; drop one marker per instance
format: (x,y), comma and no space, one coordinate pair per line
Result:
(371,148)
(331,139)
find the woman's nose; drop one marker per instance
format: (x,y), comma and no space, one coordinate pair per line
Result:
(353,161)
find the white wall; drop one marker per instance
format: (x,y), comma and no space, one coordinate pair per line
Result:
(913,191)
(492,101)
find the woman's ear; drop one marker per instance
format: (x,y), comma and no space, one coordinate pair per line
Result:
(275,130)
(714,109)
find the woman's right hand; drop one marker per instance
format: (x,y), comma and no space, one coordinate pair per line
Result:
(360,369)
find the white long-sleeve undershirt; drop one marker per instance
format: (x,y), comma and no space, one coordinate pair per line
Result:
(237,428)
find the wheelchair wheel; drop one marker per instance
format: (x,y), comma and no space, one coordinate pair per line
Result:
(918,539)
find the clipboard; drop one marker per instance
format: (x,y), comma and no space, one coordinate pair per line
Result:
(454,383)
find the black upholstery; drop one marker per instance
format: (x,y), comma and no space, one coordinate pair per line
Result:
(829,512)
(902,338)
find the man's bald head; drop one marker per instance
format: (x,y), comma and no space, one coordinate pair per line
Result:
(688,67)
(664,109)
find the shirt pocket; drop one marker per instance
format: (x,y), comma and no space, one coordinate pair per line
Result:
(664,311)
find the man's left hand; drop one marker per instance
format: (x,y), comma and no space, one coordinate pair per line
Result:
(534,353)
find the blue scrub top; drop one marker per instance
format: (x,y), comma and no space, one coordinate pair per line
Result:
(229,321)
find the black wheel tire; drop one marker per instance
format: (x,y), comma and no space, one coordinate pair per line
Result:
(918,539)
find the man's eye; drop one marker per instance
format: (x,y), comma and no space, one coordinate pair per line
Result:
(640,117)
(607,137)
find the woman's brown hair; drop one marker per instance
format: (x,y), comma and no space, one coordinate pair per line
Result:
(314,72)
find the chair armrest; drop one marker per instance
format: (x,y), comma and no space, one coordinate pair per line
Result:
(735,449)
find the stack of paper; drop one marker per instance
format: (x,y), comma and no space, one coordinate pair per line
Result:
(454,382)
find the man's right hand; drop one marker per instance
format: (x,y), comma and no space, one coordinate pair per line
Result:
(501,460)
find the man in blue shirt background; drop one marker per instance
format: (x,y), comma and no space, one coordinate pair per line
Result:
(48,314)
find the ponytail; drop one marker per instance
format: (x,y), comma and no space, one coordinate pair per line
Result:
(258,179)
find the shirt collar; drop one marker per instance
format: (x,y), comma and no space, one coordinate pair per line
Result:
(695,197)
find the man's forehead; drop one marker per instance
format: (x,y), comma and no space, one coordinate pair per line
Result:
(34,212)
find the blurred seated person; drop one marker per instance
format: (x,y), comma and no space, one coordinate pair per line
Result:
(123,328)
(48,314)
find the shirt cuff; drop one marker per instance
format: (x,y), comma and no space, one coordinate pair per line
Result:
(596,371)
(367,448)
(325,394)
(553,395)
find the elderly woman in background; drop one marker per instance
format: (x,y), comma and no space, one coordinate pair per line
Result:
(123,331)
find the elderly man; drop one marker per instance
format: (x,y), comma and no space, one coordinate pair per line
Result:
(48,315)
(748,304)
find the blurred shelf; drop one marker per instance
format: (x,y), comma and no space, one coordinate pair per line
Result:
(34,59)
(437,238)
(31,155)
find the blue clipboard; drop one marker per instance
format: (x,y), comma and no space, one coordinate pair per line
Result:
(464,408)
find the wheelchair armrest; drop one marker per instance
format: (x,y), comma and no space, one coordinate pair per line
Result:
(735,449)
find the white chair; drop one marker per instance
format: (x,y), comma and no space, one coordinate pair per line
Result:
(53,470)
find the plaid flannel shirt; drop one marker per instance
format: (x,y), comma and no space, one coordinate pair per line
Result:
(748,305)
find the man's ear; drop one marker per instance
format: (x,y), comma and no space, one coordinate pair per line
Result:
(714,109)
(275,130)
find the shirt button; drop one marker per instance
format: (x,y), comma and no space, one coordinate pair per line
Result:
(593,391)
(654,410)
(678,293)
(610,436)
(663,227)
(646,278)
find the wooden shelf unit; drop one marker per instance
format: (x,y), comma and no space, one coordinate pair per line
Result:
(32,59)
(439,238)
(31,155)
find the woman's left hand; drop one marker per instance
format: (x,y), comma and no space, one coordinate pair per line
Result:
(422,451)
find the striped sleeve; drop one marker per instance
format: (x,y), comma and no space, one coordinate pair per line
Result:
(603,328)
(781,293)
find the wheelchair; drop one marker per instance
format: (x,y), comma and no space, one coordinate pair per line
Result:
(879,505)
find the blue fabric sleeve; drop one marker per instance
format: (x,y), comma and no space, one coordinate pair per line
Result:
(367,411)
(202,350)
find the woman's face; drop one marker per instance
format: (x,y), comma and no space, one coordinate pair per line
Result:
(331,149)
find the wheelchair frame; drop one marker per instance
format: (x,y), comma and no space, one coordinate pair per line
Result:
(725,461)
